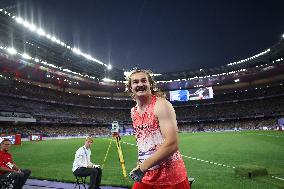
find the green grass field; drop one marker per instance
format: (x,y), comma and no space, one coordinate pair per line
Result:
(53,159)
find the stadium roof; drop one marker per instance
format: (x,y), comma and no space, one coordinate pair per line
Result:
(24,40)
(163,36)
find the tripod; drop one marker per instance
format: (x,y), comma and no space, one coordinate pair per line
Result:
(116,137)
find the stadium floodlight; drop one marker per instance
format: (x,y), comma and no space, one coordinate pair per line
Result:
(11,51)
(109,67)
(237,80)
(26,56)
(40,32)
(32,27)
(53,39)
(76,51)
(106,79)
(26,24)
(283,35)
(35,29)
(156,74)
(87,56)
(19,20)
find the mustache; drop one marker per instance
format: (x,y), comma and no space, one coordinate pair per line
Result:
(141,88)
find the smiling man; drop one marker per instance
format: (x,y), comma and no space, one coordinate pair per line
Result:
(160,165)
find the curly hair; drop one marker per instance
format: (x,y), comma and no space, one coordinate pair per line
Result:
(153,87)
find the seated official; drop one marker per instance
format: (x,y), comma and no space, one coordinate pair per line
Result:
(82,166)
(9,169)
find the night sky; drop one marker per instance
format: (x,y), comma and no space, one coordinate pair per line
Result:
(161,35)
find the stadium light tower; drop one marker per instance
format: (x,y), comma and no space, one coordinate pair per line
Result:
(109,67)
(11,51)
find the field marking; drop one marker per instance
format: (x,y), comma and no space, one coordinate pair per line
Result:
(276,136)
(278,178)
(197,159)
(210,162)
(206,161)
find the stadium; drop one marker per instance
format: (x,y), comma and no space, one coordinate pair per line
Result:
(53,95)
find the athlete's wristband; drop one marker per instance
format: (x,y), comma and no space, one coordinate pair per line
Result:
(137,174)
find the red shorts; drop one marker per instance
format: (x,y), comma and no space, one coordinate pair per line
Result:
(140,185)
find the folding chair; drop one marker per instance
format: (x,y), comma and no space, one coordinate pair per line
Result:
(80,181)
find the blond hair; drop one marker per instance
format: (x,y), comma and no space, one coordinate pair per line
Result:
(154,89)
(88,138)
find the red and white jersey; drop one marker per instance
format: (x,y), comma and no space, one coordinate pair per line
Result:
(149,139)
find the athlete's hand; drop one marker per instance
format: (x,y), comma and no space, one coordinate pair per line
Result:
(90,165)
(136,174)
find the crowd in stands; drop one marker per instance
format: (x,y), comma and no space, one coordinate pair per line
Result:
(59,112)
(54,112)
(57,107)
(36,92)
(235,109)
(105,130)
(232,125)
(54,130)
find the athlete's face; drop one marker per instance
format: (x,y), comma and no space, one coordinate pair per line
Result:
(140,85)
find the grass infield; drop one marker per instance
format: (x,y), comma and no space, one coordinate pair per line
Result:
(211,158)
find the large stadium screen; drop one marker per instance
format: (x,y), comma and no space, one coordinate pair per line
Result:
(201,93)
(35,137)
(179,95)
(12,138)
(281,122)
(191,94)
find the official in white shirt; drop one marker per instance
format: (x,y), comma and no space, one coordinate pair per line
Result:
(82,165)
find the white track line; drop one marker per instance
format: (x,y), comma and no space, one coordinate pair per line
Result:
(210,162)
(278,178)
(276,136)
(197,159)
